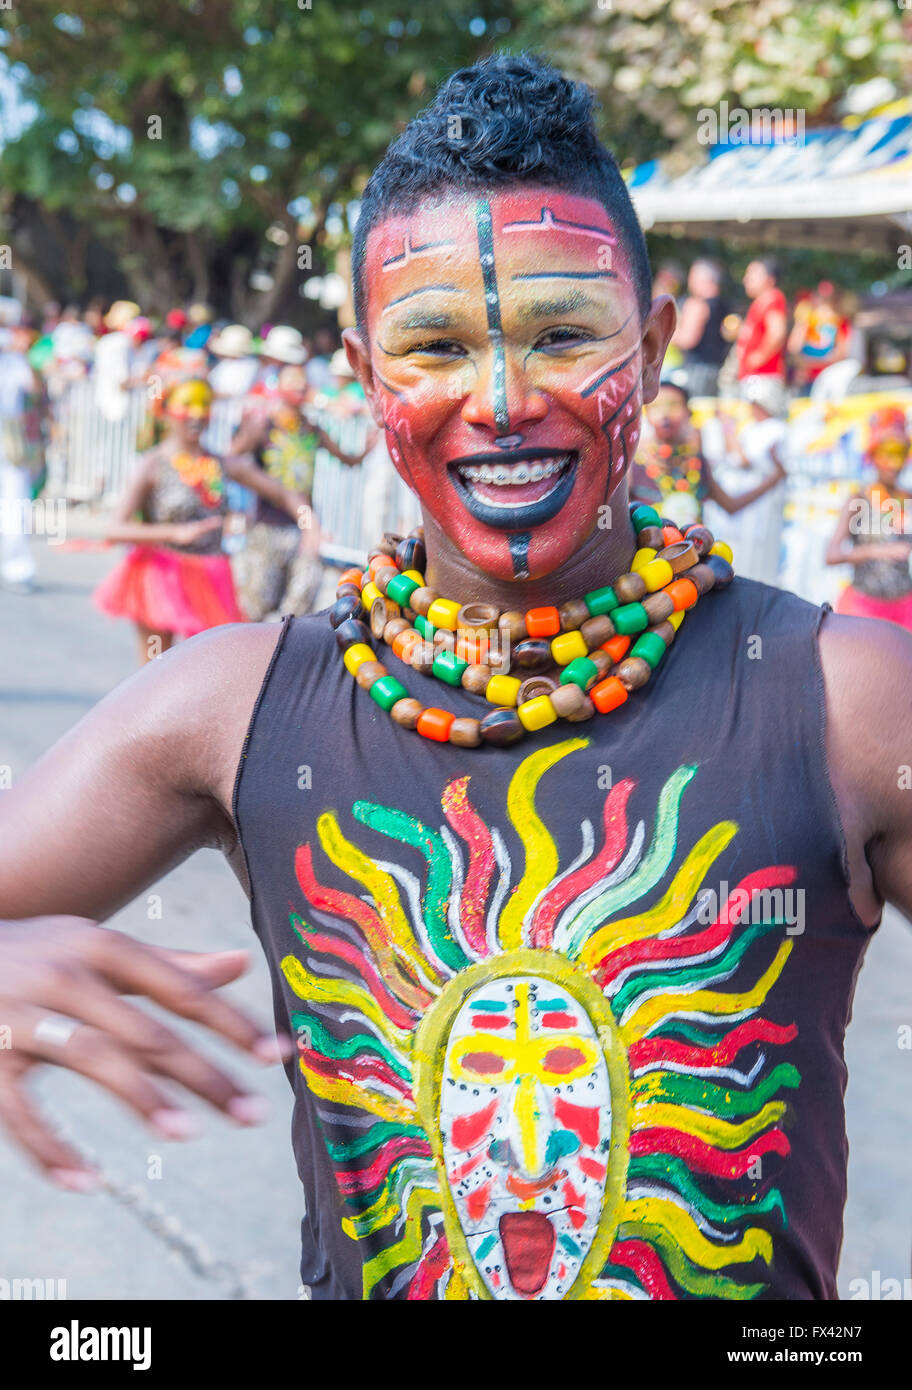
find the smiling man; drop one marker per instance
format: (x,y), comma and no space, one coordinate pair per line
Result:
(530,1064)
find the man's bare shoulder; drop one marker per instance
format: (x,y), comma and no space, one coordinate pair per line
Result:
(867,669)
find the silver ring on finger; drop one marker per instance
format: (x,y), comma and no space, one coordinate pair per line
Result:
(55,1030)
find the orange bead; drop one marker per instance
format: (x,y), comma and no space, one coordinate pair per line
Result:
(616,647)
(608,694)
(379,562)
(472,648)
(404,641)
(683,593)
(435,723)
(351,576)
(543,622)
(671,534)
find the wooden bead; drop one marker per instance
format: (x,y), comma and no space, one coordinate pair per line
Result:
(534,654)
(533,687)
(421,600)
(410,554)
(418,533)
(681,556)
(595,631)
(465,732)
(568,700)
(603,661)
(704,578)
(389,543)
(384,576)
(633,672)
(349,590)
(651,537)
(585,711)
(658,606)
(722,570)
(501,727)
(666,631)
(701,538)
(383,611)
(394,627)
(369,672)
(349,606)
(406,713)
(513,623)
(421,658)
(629,588)
(499,657)
(352,630)
(479,617)
(475,679)
(573,614)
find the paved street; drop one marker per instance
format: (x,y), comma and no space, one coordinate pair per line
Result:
(236,1190)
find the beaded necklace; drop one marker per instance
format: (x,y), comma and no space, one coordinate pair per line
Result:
(601,646)
(202,473)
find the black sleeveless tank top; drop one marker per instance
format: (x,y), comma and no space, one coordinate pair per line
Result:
(711,349)
(570,1014)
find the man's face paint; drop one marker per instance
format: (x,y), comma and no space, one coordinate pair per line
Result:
(505,337)
(525,1117)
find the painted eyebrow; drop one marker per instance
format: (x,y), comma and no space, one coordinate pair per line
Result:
(567,275)
(420,320)
(425,289)
(565,304)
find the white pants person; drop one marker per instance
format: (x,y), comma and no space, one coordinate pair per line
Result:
(17,566)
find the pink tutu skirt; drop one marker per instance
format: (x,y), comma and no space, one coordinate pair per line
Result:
(170,590)
(890,610)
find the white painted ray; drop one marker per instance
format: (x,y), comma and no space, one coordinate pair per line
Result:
(634,1291)
(492,925)
(686,987)
(454,911)
(668,963)
(696,1016)
(624,870)
(727,1073)
(583,857)
(667,1194)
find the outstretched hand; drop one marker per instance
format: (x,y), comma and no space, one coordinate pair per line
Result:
(61,985)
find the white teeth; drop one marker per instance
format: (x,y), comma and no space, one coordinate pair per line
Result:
(505,475)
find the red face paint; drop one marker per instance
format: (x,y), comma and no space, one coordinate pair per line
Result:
(505,339)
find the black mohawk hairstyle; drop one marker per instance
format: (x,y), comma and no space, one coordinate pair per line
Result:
(504,120)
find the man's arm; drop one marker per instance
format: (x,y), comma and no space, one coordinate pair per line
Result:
(867,668)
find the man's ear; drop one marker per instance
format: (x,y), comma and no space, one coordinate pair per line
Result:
(657,331)
(360,363)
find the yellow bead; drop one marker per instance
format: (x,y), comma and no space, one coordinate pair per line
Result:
(502,690)
(356,655)
(567,646)
(676,618)
(643,557)
(720,548)
(442,613)
(656,575)
(369,593)
(416,575)
(537,713)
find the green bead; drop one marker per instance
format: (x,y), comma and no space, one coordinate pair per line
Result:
(580,671)
(645,516)
(401,588)
(387,690)
(448,667)
(630,618)
(600,601)
(650,647)
(424,627)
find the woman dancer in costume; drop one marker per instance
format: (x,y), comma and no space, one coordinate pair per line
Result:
(870,533)
(174,580)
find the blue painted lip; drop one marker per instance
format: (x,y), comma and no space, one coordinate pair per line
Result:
(516,518)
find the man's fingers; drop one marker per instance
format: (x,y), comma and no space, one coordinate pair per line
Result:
(212,968)
(27,1127)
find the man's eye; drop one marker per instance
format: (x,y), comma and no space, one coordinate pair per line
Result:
(557,338)
(440,347)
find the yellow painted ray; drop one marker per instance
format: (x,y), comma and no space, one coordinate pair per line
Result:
(382,888)
(408,1249)
(687,1234)
(705,1001)
(710,1128)
(345,1092)
(671,907)
(334,991)
(541,861)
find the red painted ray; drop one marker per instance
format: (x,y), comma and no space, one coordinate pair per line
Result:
(681,947)
(467,823)
(659,1049)
(469,1130)
(336,946)
(366,1179)
(643,1261)
(432,1266)
(703,1157)
(366,1068)
(556,899)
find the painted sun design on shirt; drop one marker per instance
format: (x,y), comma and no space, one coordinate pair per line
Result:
(534,1088)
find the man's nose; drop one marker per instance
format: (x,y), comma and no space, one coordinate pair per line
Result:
(501,398)
(531,1122)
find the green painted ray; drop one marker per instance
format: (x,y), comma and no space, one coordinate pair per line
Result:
(322,1041)
(699,1093)
(673,1170)
(372,1138)
(684,1272)
(682,974)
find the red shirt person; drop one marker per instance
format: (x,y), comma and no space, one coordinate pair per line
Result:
(762,337)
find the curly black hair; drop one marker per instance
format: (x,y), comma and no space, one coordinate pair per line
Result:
(505,120)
